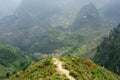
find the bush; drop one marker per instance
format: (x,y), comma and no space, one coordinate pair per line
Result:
(73,73)
(14,72)
(17,75)
(25,67)
(7,75)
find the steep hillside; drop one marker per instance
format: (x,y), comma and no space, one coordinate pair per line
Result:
(65,68)
(34,28)
(30,27)
(42,27)
(87,17)
(11,59)
(108,52)
(90,24)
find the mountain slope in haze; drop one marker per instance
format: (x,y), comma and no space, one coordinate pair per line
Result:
(111,11)
(11,6)
(11,59)
(108,52)
(79,68)
(87,17)
(54,13)
(31,29)
(90,24)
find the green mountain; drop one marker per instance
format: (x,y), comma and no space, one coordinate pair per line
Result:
(42,28)
(92,26)
(37,30)
(65,68)
(54,13)
(45,28)
(108,52)
(34,29)
(12,59)
(88,16)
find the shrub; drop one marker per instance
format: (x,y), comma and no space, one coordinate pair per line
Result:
(73,73)
(25,67)
(17,75)
(7,75)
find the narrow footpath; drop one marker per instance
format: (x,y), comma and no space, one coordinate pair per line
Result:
(61,70)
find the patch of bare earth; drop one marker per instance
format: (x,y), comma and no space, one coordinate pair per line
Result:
(61,70)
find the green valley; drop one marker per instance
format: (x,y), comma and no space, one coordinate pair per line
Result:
(60,40)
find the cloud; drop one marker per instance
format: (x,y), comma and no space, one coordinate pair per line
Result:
(8,6)
(16,1)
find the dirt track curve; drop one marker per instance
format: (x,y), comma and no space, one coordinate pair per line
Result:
(61,70)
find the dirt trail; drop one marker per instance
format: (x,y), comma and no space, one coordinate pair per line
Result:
(61,70)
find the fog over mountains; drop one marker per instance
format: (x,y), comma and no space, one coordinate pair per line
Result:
(63,31)
(7,7)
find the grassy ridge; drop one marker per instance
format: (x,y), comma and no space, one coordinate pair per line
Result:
(43,70)
(85,69)
(80,69)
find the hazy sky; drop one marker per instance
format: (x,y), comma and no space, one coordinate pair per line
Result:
(8,6)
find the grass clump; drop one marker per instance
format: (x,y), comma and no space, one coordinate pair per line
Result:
(79,68)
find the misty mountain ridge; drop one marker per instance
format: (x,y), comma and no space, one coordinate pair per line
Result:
(32,20)
(31,16)
(44,28)
(88,16)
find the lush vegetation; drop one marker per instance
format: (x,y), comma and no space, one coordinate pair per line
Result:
(43,33)
(85,69)
(80,68)
(12,59)
(35,30)
(43,69)
(108,52)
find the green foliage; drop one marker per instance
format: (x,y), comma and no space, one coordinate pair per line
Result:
(7,75)
(17,75)
(60,77)
(12,58)
(46,32)
(108,52)
(14,72)
(85,69)
(73,73)
(43,69)
(80,69)
(25,67)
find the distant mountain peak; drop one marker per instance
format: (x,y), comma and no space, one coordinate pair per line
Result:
(89,9)
(88,16)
